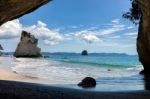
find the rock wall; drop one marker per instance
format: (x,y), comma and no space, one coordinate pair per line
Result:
(12,9)
(143,39)
(27,46)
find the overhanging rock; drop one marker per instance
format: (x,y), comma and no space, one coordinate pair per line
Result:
(12,9)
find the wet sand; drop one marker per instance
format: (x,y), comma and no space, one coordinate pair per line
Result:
(12,76)
(14,86)
(21,90)
(6,73)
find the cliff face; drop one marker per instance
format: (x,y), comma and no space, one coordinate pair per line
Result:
(143,40)
(27,46)
(11,9)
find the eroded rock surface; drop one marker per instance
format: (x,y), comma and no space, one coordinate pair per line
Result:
(27,46)
(12,9)
(87,82)
(143,40)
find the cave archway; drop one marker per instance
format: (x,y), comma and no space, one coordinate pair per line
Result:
(11,9)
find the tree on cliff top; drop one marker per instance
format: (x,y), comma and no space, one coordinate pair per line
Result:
(134,13)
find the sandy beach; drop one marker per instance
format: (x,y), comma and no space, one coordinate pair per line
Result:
(9,75)
(12,76)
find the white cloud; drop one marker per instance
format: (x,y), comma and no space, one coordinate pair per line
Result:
(12,29)
(130,27)
(117,44)
(74,27)
(103,36)
(131,34)
(110,31)
(115,37)
(41,31)
(94,34)
(116,26)
(93,28)
(87,37)
(116,21)
(68,36)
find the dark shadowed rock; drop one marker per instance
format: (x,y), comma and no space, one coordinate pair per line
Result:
(141,72)
(46,57)
(88,82)
(143,39)
(1,48)
(27,46)
(12,9)
(84,52)
(108,69)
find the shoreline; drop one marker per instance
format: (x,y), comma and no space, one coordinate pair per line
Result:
(16,86)
(7,74)
(11,76)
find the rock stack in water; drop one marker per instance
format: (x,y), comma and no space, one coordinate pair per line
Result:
(1,48)
(84,52)
(27,46)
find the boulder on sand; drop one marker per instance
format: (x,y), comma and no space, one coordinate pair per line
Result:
(27,46)
(87,82)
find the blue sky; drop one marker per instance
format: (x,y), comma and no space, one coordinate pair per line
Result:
(75,25)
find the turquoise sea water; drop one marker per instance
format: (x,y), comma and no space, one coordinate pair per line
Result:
(102,60)
(72,67)
(113,72)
